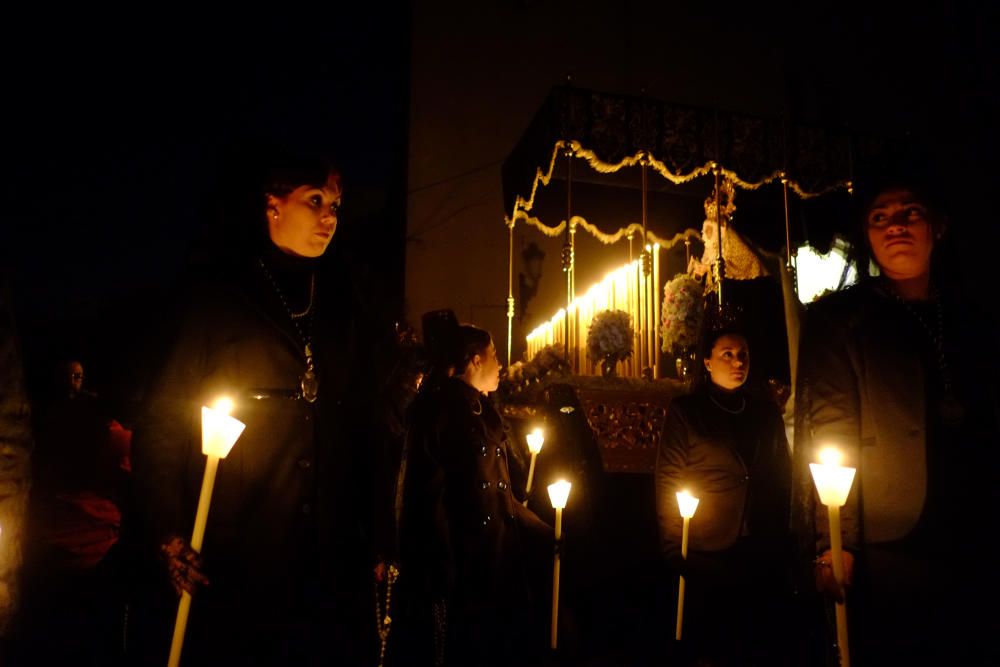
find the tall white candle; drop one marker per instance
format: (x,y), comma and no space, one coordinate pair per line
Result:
(687,504)
(558,494)
(219,433)
(833,484)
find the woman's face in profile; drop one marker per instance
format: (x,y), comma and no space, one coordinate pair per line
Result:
(900,234)
(730,361)
(486,370)
(303,222)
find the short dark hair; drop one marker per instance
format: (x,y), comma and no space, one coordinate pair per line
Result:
(912,176)
(286,170)
(248,170)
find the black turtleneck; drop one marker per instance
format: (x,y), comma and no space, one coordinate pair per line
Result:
(291,274)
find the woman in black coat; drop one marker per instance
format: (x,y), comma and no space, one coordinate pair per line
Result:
(728,449)
(282,577)
(467,541)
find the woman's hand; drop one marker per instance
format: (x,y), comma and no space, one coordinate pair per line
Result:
(184,565)
(826,583)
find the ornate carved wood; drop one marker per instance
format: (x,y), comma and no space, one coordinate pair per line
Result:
(627,423)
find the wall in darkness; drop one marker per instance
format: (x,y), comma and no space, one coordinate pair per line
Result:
(478,78)
(114,145)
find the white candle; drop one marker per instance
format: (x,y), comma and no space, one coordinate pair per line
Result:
(687,504)
(558,494)
(535,441)
(833,484)
(219,433)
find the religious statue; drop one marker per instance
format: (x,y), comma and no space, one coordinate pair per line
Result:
(741,261)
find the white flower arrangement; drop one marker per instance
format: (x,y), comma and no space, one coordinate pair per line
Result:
(682,312)
(610,335)
(523,378)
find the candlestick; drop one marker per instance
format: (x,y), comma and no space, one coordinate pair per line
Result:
(833,484)
(535,441)
(687,504)
(219,433)
(558,494)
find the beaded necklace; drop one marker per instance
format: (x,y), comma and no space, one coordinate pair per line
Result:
(309,383)
(743,405)
(383,622)
(934,331)
(949,406)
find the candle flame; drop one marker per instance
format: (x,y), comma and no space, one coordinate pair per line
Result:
(223,404)
(559,493)
(686,503)
(831,456)
(535,441)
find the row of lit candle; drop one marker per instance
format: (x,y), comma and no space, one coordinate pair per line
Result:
(558,495)
(833,482)
(220,431)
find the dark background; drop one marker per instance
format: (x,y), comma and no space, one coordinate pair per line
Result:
(115,134)
(115,127)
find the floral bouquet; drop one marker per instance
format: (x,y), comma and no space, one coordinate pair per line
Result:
(682,312)
(610,336)
(551,359)
(521,377)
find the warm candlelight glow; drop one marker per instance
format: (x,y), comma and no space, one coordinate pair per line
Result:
(830,456)
(625,288)
(686,503)
(219,431)
(535,441)
(833,481)
(559,493)
(223,405)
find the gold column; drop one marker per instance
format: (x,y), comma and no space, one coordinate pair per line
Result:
(657,305)
(510,287)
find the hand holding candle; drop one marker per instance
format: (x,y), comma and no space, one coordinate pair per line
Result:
(219,433)
(833,484)
(535,441)
(687,504)
(558,494)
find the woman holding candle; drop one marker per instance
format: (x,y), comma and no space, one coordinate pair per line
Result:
(466,538)
(279,328)
(728,449)
(890,374)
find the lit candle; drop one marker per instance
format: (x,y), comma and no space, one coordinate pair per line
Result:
(833,483)
(535,441)
(219,433)
(558,494)
(687,504)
